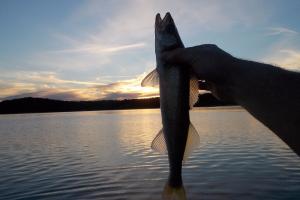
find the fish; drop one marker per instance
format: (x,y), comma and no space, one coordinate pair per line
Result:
(178,88)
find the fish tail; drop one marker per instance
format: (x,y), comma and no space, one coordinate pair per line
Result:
(173,193)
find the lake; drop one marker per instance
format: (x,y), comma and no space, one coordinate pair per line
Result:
(107,155)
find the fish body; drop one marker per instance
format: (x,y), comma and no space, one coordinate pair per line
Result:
(177,137)
(174,97)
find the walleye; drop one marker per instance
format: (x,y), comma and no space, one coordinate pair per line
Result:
(178,93)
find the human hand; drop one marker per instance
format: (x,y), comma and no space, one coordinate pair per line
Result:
(210,64)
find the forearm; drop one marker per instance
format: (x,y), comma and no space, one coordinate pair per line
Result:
(272,95)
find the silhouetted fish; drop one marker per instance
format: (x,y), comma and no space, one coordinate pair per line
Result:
(178,93)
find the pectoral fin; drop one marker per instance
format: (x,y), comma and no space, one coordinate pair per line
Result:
(192,142)
(151,80)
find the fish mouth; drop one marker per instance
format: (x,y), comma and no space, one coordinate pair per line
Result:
(166,33)
(162,23)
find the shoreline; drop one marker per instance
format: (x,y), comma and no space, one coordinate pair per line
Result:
(204,108)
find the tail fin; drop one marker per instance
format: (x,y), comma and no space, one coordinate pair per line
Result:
(173,193)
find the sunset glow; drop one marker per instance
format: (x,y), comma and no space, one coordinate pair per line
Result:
(88,50)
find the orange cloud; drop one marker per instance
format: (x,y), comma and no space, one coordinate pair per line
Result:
(286,58)
(127,89)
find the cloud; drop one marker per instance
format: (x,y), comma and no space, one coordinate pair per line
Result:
(280,31)
(118,28)
(95,49)
(14,83)
(130,88)
(113,38)
(41,78)
(103,49)
(9,89)
(285,50)
(50,94)
(286,58)
(55,88)
(118,95)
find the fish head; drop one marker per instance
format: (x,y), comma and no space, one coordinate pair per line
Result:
(166,34)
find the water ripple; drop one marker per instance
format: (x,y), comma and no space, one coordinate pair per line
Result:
(107,155)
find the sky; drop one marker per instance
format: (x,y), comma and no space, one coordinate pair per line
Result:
(91,50)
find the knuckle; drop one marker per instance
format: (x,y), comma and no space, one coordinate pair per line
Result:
(209,46)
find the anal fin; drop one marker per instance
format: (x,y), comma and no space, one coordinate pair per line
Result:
(192,142)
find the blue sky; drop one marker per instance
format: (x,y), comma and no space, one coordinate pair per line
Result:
(84,50)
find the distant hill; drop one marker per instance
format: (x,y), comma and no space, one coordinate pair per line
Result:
(38,105)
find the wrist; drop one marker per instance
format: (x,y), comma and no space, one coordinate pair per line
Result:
(232,77)
(242,79)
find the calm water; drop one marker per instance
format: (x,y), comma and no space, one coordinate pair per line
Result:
(107,155)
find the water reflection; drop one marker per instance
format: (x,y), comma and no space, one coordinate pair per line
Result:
(107,155)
